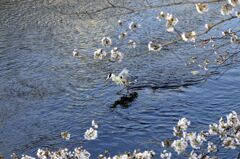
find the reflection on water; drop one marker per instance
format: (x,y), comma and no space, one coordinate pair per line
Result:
(44,90)
(126,100)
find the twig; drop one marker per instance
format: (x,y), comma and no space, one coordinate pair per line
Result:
(216,24)
(110,3)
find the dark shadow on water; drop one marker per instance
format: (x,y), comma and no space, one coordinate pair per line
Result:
(131,95)
(125,100)
(166,86)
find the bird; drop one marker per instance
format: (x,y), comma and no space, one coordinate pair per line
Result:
(121,78)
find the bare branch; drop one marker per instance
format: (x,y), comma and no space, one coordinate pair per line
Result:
(216,24)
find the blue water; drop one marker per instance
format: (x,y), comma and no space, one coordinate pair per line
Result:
(44,90)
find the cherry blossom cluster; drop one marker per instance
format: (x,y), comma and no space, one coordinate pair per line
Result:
(195,145)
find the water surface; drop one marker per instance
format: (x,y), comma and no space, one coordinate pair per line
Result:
(44,90)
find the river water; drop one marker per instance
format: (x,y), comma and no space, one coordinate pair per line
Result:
(45,90)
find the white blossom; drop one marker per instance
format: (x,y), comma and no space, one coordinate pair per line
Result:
(133,25)
(234,39)
(27,157)
(106,41)
(60,154)
(179,145)
(232,119)
(65,135)
(183,123)
(116,55)
(99,54)
(201,7)
(237,14)
(226,9)
(122,156)
(189,36)
(81,153)
(208,26)
(213,129)
(132,44)
(14,156)
(203,135)
(161,16)
(177,132)
(76,52)
(101,156)
(229,142)
(78,153)
(134,155)
(166,155)
(211,147)
(170,28)
(194,155)
(122,35)
(91,134)
(195,140)
(171,19)
(171,22)
(233,2)
(120,22)
(143,155)
(222,125)
(153,46)
(42,154)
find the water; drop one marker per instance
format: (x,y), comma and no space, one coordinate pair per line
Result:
(44,90)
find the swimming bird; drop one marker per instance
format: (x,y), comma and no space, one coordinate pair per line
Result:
(121,78)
